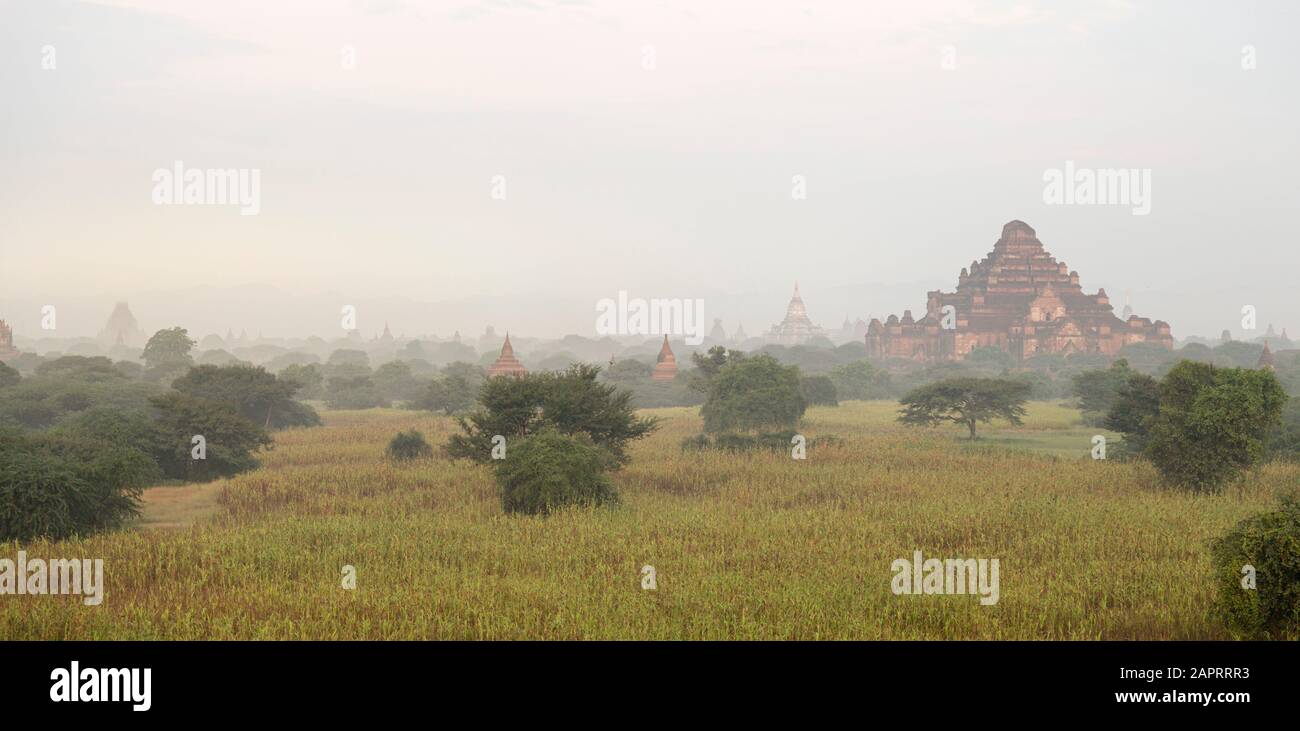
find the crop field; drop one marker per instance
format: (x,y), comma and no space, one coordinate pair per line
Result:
(752,546)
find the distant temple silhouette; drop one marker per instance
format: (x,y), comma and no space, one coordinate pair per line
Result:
(666,367)
(506,364)
(796,328)
(1018,298)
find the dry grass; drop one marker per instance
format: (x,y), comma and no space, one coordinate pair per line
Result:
(753,546)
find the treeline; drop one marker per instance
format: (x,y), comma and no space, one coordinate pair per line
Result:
(81,436)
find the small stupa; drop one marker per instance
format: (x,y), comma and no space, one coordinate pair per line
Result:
(507,364)
(666,367)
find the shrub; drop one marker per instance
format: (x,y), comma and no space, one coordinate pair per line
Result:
(550,470)
(738,443)
(1270,543)
(408,445)
(56,486)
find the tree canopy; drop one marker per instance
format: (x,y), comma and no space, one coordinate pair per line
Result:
(753,393)
(966,401)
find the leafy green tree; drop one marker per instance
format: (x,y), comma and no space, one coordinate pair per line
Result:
(752,394)
(9,376)
(860,381)
(231,440)
(818,391)
(454,391)
(1133,412)
(1284,441)
(1212,423)
(548,470)
(349,357)
(709,364)
(1097,390)
(990,360)
(168,350)
(59,485)
(572,401)
(966,401)
(395,382)
(257,395)
(97,369)
(309,379)
(354,392)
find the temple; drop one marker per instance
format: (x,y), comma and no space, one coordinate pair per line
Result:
(7,349)
(666,367)
(121,329)
(796,328)
(507,364)
(1018,298)
(1267,361)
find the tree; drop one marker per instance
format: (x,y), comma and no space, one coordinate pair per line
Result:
(454,391)
(1134,411)
(860,381)
(229,439)
(168,350)
(549,470)
(966,401)
(257,395)
(1284,441)
(8,376)
(354,392)
(349,357)
(395,382)
(818,391)
(708,365)
(753,393)
(572,401)
(1212,423)
(309,379)
(1097,390)
(989,359)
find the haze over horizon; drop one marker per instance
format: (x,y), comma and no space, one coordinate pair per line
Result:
(649,149)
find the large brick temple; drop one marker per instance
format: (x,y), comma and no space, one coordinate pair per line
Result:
(1018,298)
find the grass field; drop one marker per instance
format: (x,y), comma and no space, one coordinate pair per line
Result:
(757,546)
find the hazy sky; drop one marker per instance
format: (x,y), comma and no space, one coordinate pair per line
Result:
(644,146)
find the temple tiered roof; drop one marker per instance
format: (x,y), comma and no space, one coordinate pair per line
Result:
(666,365)
(506,364)
(1018,298)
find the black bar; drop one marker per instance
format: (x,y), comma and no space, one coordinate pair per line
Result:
(926,681)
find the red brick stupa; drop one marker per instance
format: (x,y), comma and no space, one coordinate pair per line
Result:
(507,364)
(666,368)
